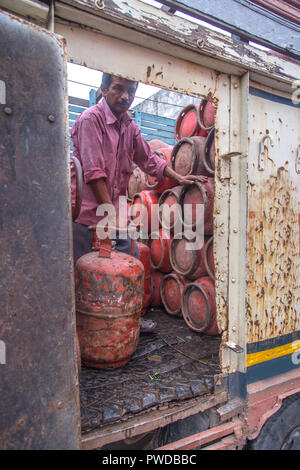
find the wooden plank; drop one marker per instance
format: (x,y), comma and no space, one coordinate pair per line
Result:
(160,119)
(157,132)
(76,109)
(156,125)
(78,101)
(73,116)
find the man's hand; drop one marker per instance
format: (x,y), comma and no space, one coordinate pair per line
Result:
(190,179)
(182,180)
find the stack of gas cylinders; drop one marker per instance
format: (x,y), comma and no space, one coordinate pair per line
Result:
(177,277)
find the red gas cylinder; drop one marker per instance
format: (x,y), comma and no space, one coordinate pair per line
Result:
(136,183)
(144,252)
(206,115)
(78,354)
(170,199)
(189,158)
(159,250)
(196,194)
(156,280)
(171,291)
(166,183)
(156,144)
(209,258)
(210,150)
(188,263)
(188,123)
(199,306)
(146,204)
(109,295)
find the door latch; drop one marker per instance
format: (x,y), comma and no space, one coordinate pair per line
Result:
(233,346)
(261,157)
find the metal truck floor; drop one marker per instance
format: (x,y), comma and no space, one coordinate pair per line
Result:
(173,364)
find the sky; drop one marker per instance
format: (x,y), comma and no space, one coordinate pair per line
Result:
(89,78)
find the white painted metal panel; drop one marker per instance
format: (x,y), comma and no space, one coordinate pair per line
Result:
(274,203)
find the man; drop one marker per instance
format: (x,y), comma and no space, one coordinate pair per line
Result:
(106,141)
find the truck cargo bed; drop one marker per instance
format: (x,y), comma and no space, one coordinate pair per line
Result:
(173,364)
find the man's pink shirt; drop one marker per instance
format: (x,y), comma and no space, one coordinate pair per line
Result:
(106,148)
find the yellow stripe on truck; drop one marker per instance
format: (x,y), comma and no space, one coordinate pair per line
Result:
(269,354)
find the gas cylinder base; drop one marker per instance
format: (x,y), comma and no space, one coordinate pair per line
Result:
(99,365)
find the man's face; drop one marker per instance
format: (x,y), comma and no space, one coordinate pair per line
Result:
(120,95)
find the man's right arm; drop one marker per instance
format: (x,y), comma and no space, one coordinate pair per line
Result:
(100,191)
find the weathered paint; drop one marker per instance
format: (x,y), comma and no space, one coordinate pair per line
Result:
(236,361)
(273,294)
(39,383)
(148,26)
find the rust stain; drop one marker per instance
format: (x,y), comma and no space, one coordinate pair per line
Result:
(273,291)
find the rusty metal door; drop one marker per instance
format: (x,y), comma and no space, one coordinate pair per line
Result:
(273,322)
(38,372)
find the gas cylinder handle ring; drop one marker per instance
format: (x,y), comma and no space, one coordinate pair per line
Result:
(79,182)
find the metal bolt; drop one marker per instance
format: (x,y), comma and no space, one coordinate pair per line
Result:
(235,133)
(234,182)
(222,231)
(7,110)
(233,328)
(224,132)
(233,280)
(235,85)
(100,4)
(235,230)
(222,279)
(59,404)
(51,118)
(225,83)
(200,43)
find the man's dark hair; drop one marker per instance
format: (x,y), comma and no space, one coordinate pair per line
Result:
(106,81)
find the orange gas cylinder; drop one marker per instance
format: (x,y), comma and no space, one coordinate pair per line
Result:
(171,291)
(144,206)
(144,252)
(189,157)
(209,258)
(156,280)
(188,123)
(188,263)
(109,296)
(159,251)
(206,115)
(199,306)
(166,183)
(169,208)
(136,183)
(195,195)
